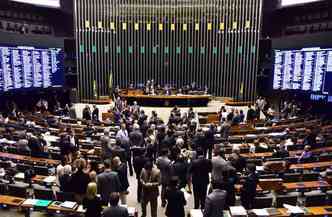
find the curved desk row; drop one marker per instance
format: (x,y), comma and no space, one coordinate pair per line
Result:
(172,100)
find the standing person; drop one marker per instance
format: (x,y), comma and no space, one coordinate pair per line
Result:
(163,163)
(86,113)
(215,202)
(175,200)
(79,181)
(106,146)
(123,136)
(95,113)
(248,190)
(199,172)
(108,182)
(138,162)
(115,210)
(218,164)
(92,202)
(150,179)
(251,115)
(121,169)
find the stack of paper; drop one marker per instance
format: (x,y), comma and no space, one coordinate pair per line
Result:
(49,179)
(238,211)
(81,209)
(19,176)
(68,204)
(294,209)
(31,202)
(260,212)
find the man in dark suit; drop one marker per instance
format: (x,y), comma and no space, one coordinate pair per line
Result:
(115,210)
(248,190)
(138,162)
(108,182)
(95,113)
(121,169)
(106,146)
(136,137)
(199,171)
(163,163)
(215,202)
(150,179)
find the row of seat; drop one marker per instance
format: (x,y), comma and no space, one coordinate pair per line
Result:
(312,198)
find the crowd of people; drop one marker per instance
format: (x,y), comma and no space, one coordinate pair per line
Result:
(178,155)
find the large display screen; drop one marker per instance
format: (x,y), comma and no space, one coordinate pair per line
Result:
(28,67)
(285,3)
(308,69)
(42,3)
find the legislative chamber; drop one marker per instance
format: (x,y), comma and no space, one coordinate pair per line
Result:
(169,108)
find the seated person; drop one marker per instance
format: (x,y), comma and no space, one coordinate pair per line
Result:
(281,152)
(306,155)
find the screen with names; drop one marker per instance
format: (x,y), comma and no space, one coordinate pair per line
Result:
(308,69)
(28,67)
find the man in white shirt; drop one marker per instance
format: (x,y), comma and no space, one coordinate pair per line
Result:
(122,134)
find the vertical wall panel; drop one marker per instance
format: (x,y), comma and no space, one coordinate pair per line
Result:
(109,44)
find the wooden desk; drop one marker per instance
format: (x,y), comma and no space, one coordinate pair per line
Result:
(11,201)
(239,186)
(56,208)
(32,160)
(320,211)
(172,100)
(306,185)
(310,166)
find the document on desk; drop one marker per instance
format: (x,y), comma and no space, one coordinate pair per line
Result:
(31,202)
(81,209)
(238,211)
(49,179)
(19,176)
(294,209)
(68,204)
(260,212)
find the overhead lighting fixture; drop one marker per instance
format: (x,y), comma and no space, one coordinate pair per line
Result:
(42,3)
(296,2)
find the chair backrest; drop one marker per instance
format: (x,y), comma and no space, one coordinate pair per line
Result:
(64,196)
(43,193)
(17,190)
(310,176)
(315,199)
(329,198)
(262,202)
(289,199)
(292,177)
(22,167)
(41,170)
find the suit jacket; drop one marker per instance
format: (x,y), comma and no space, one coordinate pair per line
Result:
(79,182)
(218,166)
(175,203)
(163,164)
(107,183)
(199,171)
(136,138)
(115,211)
(150,183)
(214,203)
(123,176)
